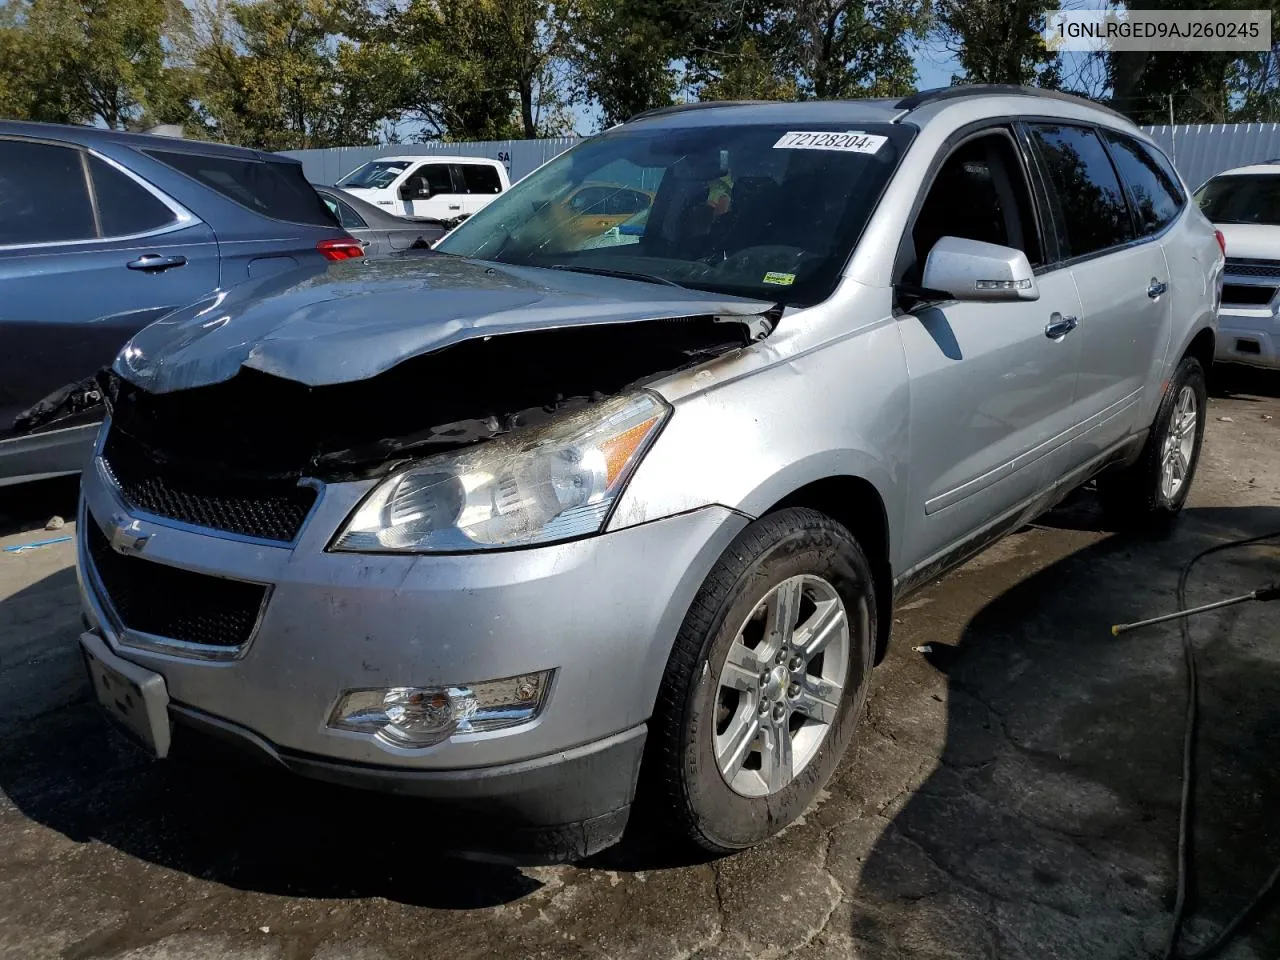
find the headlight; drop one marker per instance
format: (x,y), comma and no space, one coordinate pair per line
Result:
(535,486)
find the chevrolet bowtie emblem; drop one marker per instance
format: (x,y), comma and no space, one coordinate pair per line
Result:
(125,535)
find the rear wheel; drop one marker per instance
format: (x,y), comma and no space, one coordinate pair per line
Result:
(765,681)
(1150,493)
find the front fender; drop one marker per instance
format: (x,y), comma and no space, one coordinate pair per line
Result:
(769,422)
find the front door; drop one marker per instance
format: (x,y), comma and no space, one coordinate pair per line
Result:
(434,194)
(992,384)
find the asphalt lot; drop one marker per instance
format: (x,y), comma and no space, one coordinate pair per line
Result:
(1013,793)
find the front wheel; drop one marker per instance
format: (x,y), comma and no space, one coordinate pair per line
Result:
(765,681)
(1150,493)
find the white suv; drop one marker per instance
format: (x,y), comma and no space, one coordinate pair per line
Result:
(1244,203)
(431,187)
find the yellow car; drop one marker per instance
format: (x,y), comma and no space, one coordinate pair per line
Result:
(596,207)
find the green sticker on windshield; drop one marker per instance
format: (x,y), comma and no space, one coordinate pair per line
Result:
(781,279)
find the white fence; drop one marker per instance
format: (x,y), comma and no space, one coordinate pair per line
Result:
(1198,150)
(521,157)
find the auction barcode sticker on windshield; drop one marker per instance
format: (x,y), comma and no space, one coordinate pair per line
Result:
(850,142)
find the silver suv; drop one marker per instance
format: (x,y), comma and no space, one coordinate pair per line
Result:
(568,508)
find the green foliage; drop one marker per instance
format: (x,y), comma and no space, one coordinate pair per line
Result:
(1213,87)
(281,74)
(806,49)
(287,74)
(623,51)
(999,41)
(73,61)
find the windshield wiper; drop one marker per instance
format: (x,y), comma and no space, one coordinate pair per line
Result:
(620,274)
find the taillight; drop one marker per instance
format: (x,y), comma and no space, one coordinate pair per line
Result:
(1222,241)
(341,248)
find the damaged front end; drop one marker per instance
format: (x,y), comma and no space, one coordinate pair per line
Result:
(240,455)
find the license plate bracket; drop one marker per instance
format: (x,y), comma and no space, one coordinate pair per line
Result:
(132,696)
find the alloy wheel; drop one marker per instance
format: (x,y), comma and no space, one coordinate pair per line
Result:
(780,687)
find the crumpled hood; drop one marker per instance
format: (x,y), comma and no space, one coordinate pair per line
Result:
(356,319)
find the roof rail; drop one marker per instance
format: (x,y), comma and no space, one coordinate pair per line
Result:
(701,105)
(937,94)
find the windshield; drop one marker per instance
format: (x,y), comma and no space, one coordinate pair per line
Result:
(375,174)
(764,211)
(1242,198)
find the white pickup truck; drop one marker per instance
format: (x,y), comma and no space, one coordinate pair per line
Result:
(432,187)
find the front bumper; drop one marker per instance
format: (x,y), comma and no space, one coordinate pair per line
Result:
(1248,336)
(601,612)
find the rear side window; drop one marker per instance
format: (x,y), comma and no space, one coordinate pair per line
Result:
(1089,204)
(273,189)
(347,217)
(44,197)
(479,178)
(125,207)
(1156,197)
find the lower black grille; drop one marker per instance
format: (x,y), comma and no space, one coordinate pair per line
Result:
(1245,267)
(267,509)
(169,602)
(1247,295)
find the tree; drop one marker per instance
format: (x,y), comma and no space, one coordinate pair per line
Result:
(624,54)
(1209,87)
(856,48)
(288,74)
(485,69)
(808,48)
(74,61)
(999,41)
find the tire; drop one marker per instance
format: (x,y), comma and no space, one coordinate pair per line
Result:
(1139,497)
(792,555)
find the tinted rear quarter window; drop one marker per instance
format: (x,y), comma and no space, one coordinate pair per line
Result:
(1157,198)
(346,214)
(273,189)
(44,197)
(125,206)
(480,178)
(1088,202)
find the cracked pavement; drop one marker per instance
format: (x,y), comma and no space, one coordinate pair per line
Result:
(1012,793)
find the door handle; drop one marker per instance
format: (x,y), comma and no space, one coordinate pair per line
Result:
(153,261)
(455,206)
(1059,326)
(1157,288)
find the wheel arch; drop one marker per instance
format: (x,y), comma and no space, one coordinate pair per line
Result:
(1202,346)
(856,504)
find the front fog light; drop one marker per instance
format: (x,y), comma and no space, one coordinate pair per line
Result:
(421,716)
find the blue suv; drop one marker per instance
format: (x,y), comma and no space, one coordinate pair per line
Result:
(103,232)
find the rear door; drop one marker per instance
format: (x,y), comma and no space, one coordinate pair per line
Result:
(481,182)
(1122,277)
(89,254)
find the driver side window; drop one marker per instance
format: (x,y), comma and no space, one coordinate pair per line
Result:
(979,193)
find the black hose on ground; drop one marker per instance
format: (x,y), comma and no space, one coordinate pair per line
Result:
(1188,779)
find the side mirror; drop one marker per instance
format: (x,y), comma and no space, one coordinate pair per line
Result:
(975,271)
(415,188)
